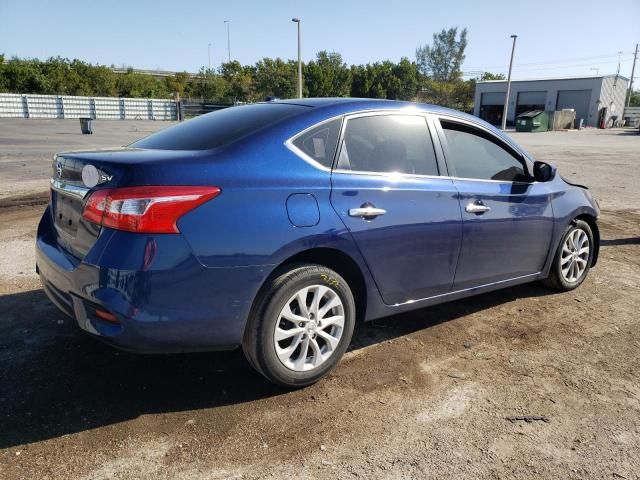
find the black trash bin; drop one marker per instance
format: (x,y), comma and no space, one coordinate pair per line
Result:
(86,126)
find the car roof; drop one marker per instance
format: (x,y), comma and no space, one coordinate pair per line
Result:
(354,105)
(357,103)
(325,108)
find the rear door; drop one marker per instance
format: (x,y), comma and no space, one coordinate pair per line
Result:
(507,217)
(403,216)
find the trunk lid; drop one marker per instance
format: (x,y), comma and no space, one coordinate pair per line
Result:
(77,174)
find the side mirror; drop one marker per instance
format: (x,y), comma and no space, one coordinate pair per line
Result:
(543,172)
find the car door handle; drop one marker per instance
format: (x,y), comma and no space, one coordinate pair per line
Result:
(366,212)
(477,207)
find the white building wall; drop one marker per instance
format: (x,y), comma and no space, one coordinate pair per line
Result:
(613,95)
(601,89)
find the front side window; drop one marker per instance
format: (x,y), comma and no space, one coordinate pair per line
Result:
(320,142)
(388,144)
(472,154)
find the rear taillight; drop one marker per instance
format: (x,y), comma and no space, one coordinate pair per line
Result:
(154,209)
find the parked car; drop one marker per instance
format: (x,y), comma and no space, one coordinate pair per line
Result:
(277,226)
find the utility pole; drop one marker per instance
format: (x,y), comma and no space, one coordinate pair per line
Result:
(228,22)
(209,56)
(297,20)
(633,72)
(506,98)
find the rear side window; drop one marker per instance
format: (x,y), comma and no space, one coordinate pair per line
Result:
(474,154)
(320,142)
(388,144)
(218,128)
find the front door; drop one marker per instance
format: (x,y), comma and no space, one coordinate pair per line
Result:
(507,218)
(403,216)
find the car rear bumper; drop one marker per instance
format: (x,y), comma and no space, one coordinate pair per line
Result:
(163,298)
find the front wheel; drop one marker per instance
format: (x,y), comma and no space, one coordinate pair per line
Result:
(573,257)
(300,326)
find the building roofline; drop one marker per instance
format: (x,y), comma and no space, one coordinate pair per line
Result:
(552,79)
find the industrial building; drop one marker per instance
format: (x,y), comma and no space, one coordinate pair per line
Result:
(592,98)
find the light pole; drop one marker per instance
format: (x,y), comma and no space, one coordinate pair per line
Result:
(506,98)
(596,69)
(633,72)
(297,20)
(209,56)
(228,22)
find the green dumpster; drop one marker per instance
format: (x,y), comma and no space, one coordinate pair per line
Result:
(534,121)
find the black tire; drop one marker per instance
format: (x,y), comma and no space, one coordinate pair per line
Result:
(556,279)
(258,343)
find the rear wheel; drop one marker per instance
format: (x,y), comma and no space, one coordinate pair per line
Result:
(573,257)
(301,325)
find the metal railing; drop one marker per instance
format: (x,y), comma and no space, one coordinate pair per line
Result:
(193,109)
(15,105)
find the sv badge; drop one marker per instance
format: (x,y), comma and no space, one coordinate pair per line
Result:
(91,176)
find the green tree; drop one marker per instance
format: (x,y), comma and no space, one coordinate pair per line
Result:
(275,77)
(177,83)
(240,82)
(492,76)
(407,74)
(437,92)
(327,76)
(133,84)
(62,79)
(208,85)
(464,95)
(370,80)
(3,84)
(635,99)
(458,95)
(385,80)
(442,61)
(361,80)
(385,84)
(99,80)
(23,76)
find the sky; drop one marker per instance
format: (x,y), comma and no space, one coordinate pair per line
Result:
(555,38)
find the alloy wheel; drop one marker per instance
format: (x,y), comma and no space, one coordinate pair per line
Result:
(575,255)
(309,328)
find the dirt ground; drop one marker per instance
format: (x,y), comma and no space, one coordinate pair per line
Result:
(420,395)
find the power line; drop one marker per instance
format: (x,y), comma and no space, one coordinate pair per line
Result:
(551,62)
(575,59)
(575,65)
(541,69)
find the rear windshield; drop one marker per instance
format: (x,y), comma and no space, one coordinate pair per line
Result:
(218,128)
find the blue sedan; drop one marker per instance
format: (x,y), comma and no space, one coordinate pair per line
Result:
(277,226)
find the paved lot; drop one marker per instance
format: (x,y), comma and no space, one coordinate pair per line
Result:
(27,147)
(423,395)
(605,160)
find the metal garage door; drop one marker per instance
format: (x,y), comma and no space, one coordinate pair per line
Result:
(492,98)
(491,107)
(576,99)
(528,101)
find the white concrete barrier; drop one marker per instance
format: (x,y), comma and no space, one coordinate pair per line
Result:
(15,105)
